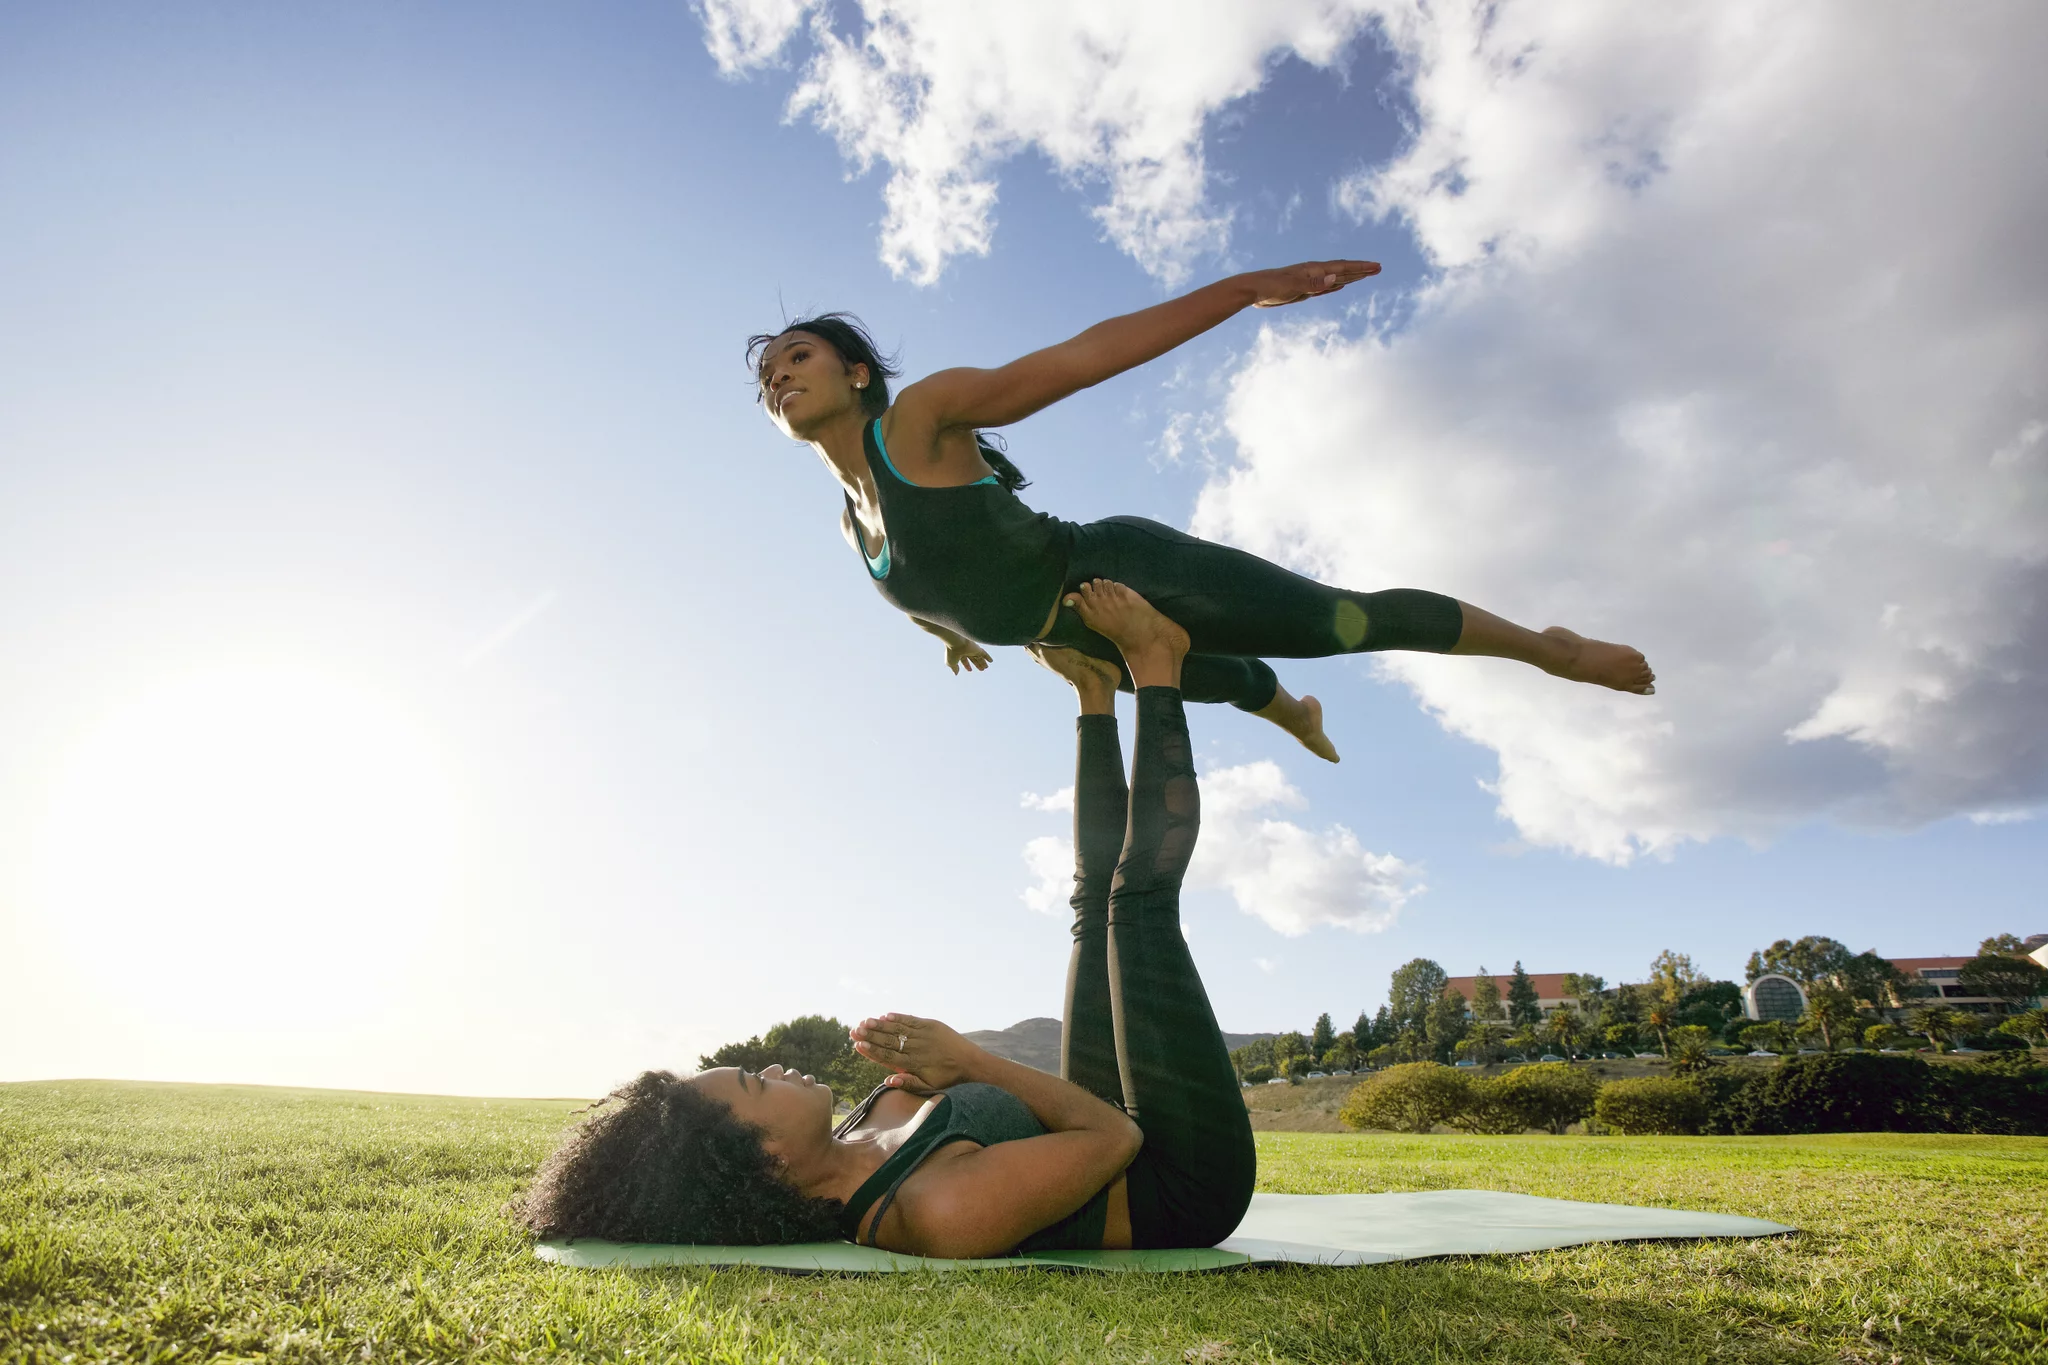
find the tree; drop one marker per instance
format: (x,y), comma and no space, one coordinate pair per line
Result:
(1773,1035)
(1321,1036)
(1486,1006)
(1485,1043)
(1689,1055)
(1523,1009)
(1672,977)
(1255,1055)
(813,1044)
(1446,1023)
(1940,1025)
(1343,1052)
(1551,1095)
(1662,1016)
(1806,961)
(2002,945)
(1829,1012)
(1621,1036)
(1711,1004)
(2029,1027)
(1416,985)
(1362,1034)
(1564,1027)
(1288,1050)
(1880,1037)
(1414,1097)
(2015,981)
(1384,1030)
(1525,1041)
(1871,980)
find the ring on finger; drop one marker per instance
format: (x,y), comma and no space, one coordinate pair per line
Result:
(901,1041)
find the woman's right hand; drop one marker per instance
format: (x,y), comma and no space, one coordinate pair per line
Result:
(1293,283)
(924,1049)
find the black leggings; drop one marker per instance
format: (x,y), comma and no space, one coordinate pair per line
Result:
(1139,1029)
(1239,609)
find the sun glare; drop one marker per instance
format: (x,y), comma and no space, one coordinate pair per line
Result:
(256,838)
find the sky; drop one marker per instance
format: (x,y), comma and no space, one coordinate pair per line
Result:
(425,669)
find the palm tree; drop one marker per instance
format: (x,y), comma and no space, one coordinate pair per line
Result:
(1940,1025)
(1663,1017)
(1563,1026)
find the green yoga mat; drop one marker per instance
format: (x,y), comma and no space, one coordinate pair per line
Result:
(1308,1229)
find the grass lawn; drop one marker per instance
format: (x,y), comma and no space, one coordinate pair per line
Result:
(155,1223)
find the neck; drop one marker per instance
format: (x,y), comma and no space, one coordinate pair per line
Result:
(838,441)
(843,1167)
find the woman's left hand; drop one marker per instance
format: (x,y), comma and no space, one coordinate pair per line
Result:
(965,653)
(1293,283)
(924,1049)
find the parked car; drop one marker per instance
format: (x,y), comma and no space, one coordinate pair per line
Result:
(1465,1061)
(1277,1080)
(1759,1052)
(1318,1075)
(1515,1058)
(1657,1056)
(1550,1057)
(1340,1072)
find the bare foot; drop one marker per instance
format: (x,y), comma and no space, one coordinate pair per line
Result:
(1596,661)
(1095,679)
(1152,645)
(1301,717)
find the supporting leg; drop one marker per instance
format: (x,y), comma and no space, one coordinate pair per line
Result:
(1088,1037)
(1192,1182)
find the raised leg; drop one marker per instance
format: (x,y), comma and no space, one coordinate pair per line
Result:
(1236,604)
(1193,1180)
(1088,1038)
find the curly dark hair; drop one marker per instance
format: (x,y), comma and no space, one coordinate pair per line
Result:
(848,335)
(659,1161)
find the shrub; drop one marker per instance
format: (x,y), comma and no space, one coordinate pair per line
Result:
(1857,1092)
(1259,1075)
(1488,1108)
(1549,1095)
(1412,1097)
(1655,1105)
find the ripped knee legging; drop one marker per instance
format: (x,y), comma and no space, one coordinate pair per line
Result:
(1239,609)
(1139,1028)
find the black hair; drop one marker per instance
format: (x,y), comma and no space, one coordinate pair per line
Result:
(660,1161)
(848,335)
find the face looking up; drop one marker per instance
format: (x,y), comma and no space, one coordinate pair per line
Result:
(804,382)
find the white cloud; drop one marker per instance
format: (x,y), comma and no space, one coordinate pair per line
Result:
(1063,799)
(1737,353)
(1294,879)
(942,93)
(1051,862)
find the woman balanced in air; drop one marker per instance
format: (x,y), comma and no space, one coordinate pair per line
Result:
(1144,1143)
(933,509)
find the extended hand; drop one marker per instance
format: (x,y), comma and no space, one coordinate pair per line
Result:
(1293,283)
(966,652)
(920,1049)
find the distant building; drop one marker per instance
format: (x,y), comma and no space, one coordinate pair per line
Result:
(1549,990)
(1938,974)
(1772,996)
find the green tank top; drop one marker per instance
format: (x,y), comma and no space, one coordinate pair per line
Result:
(973,1112)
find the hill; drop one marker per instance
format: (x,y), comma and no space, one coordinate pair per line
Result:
(1036,1042)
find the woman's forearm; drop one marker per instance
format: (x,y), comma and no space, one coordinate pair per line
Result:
(1061,1106)
(1122,343)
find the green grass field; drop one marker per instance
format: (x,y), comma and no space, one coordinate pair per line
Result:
(176,1223)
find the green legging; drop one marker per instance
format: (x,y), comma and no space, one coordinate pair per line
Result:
(1139,1028)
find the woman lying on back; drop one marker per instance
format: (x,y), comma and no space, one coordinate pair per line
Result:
(962,1153)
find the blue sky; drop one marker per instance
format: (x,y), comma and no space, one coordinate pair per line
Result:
(426,669)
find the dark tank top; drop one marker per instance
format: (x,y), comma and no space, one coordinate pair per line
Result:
(973,558)
(973,1112)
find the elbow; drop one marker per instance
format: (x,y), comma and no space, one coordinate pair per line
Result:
(1130,1140)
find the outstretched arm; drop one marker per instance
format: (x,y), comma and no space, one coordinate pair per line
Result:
(992,398)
